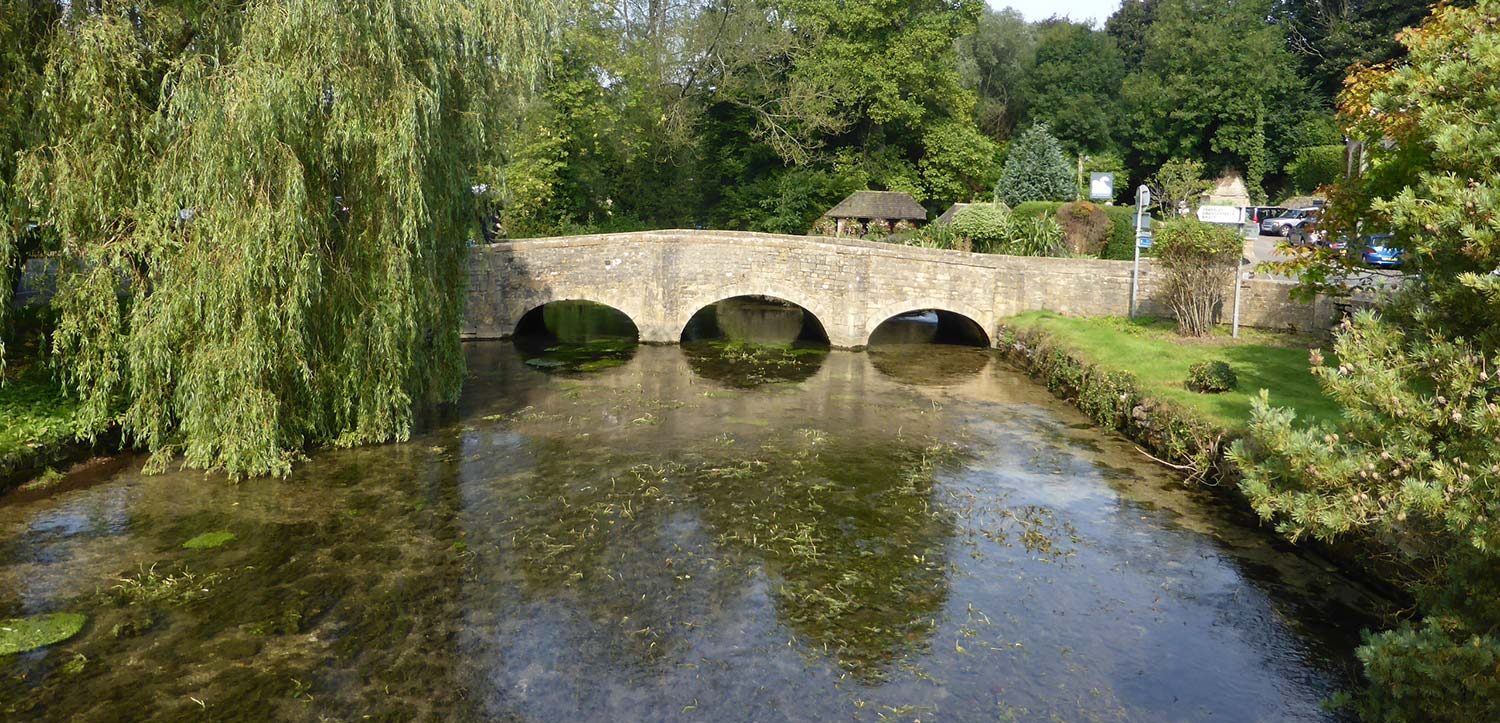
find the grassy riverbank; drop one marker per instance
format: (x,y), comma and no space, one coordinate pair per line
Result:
(1150,350)
(40,425)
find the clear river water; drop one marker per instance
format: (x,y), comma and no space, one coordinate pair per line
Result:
(706,532)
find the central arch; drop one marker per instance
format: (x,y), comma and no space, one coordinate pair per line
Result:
(758,319)
(817,311)
(952,325)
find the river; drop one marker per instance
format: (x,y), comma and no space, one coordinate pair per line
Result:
(697,532)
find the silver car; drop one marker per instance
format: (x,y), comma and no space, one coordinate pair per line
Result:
(1282,225)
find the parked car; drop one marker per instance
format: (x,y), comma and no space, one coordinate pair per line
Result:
(1283,224)
(1256,214)
(1381,252)
(1305,234)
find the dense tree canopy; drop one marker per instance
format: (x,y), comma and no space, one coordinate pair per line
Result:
(1074,85)
(1216,83)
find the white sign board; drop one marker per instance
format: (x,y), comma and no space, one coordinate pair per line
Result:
(1101,186)
(1221,214)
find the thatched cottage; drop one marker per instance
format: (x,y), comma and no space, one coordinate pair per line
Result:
(880,211)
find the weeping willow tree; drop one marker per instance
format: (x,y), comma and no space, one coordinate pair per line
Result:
(261,212)
(23,26)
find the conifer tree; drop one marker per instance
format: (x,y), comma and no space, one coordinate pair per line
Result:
(1035,170)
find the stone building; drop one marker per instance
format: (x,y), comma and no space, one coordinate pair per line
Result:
(877,212)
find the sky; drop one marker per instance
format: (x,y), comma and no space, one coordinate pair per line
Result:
(1081,10)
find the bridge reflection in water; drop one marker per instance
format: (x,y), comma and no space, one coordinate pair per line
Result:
(755,320)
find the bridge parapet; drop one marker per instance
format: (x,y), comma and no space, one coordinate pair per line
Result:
(661,278)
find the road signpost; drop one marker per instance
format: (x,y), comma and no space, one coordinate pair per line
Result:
(1142,199)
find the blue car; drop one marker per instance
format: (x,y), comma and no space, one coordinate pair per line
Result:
(1381,253)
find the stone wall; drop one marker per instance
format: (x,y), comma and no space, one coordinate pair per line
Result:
(660,279)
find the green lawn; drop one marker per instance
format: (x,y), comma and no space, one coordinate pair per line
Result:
(1150,349)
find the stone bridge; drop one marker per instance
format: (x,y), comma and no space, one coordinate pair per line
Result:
(661,278)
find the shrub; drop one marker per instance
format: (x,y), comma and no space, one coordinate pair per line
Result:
(1037,208)
(1035,170)
(1121,235)
(824,226)
(1211,377)
(1034,236)
(1196,259)
(985,225)
(1121,244)
(935,237)
(1085,226)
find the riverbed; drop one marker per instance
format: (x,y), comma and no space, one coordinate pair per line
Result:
(695,532)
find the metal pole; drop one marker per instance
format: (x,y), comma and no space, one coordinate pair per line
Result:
(1135,272)
(1238,274)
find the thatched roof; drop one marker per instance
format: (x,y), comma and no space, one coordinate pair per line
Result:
(888,205)
(950,214)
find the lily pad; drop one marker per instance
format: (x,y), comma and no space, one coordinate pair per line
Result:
(18,635)
(209,540)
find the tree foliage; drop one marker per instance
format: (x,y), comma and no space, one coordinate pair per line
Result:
(1215,83)
(1035,170)
(994,62)
(1198,261)
(1074,84)
(1414,469)
(261,212)
(1179,184)
(1332,36)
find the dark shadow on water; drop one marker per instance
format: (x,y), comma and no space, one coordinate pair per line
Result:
(748,341)
(575,336)
(929,348)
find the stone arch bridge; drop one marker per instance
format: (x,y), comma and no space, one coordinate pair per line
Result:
(661,278)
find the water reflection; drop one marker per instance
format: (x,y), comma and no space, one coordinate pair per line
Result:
(748,341)
(635,544)
(901,348)
(755,320)
(575,336)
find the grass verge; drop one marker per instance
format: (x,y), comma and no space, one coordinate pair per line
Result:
(1150,350)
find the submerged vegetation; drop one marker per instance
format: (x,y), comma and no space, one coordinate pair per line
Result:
(209,540)
(19,635)
(651,531)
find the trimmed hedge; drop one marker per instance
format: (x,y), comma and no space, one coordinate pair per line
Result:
(1120,246)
